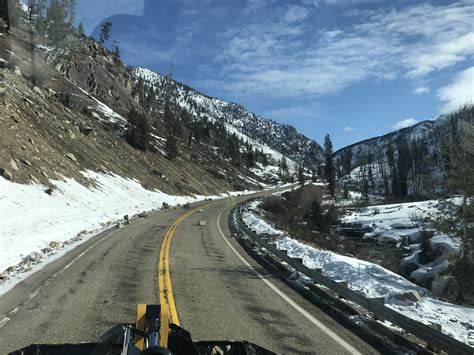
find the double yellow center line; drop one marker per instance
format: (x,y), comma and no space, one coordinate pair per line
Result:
(164,280)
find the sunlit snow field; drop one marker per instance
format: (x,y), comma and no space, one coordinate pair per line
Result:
(373,280)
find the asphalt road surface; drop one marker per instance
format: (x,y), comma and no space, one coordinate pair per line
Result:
(219,291)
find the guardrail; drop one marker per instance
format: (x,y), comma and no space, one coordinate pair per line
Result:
(431,336)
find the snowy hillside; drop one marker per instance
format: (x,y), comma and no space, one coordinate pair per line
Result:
(371,280)
(408,224)
(431,132)
(409,161)
(272,138)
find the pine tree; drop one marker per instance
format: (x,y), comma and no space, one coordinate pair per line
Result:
(250,158)
(173,131)
(461,178)
(15,12)
(32,8)
(283,169)
(56,17)
(40,23)
(80,30)
(329,169)
(116,55)
(317,216)
(403,165)
(365,190)
(345,192)
(386,187)
(393,171)
(301,178)
(347,161)
(70,6)
(105,32)
(139,131)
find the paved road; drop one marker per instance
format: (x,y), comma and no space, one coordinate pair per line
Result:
(220,292)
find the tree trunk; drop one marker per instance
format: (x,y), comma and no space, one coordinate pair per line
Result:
(466,246)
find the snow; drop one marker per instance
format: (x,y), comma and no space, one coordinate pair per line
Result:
(272,137)
(371,279)
(24,5)
(110,115)
(45,48)
(31,218)
(405,222)
(396,221)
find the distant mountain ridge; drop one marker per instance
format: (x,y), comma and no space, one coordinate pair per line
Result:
(261,132)
(420,154)
(421,130)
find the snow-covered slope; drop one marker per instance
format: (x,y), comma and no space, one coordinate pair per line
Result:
(272,138)
(432,132)
(371,280)
(423,147)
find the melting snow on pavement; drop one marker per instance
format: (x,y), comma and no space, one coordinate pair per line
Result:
(373,281)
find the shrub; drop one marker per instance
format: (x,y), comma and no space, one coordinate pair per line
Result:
(272,204)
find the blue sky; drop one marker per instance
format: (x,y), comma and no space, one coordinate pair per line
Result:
(350,68)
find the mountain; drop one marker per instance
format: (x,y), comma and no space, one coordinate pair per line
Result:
(121,87)
(282,139)
(55,90)
(422,145)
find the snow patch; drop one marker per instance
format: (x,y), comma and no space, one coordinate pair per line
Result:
(371,279)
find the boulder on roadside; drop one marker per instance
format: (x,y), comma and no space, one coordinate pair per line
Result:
(33,257)
(84,129)
(71,156)
(46,250)
(142,215)
(6,174)
(54,245)
(165,205)
(34,179)
(13,165)
(412,296)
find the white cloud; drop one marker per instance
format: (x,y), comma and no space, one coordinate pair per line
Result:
(275,57)
(296,13)
(459,92)
(442,55)
(404,123)
(349,129)
(303,112)
(421,90)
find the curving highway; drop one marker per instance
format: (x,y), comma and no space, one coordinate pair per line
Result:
(217,291)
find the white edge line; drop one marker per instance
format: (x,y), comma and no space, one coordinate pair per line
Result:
(5,320)
(292,303)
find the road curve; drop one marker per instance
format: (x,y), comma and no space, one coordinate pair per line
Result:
(220,292)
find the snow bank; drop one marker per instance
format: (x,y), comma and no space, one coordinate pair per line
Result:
(397,221)
(405,222)
(372,280)
(31,219)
